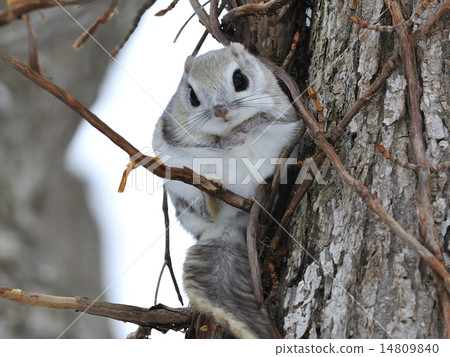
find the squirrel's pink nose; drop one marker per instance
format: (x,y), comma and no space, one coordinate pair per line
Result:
(221,112)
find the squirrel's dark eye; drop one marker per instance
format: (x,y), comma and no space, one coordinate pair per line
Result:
(240,81)
(193,97)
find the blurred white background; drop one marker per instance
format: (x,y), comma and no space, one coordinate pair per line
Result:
(131,224)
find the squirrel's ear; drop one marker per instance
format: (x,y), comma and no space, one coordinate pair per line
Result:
(188,63)
(240,53)
(237,49)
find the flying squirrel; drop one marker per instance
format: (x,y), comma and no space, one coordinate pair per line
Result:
(226,121)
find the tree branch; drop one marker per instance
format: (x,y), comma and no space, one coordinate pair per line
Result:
(202,14)
(268,7)
(159,317)
(23,7)
(214,23)
(375,27)
(167,258)
(252,230)
(419,12)
(144,7)
(152,164)
(33,46)
(102,19)
(424,200)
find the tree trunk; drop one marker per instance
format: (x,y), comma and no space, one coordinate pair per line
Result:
(347,274)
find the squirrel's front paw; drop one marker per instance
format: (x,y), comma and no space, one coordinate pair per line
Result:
(234,139)
(217,181)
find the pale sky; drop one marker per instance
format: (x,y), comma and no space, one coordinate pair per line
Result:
(132,97)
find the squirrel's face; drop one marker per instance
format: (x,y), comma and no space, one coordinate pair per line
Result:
(223,88)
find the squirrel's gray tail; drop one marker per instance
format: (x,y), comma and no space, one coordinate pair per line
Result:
(218,281)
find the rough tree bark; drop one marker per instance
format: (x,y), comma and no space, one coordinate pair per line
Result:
(357,278)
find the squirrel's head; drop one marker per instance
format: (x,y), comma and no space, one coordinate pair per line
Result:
(225,87)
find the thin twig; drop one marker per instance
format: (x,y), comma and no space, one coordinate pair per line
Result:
(294,44)
(102,19)
(167,257)
(158,283)
(167,233)
(200,43)
(187,21)
(202,14)
(299,132)
(313,95)
(275,284)
(33,46)
(269,7)
(152,164)
(387,155)
(432,19)
(182,27)
(167,9)
(409,165)
(252,232)
(379,28)
(123,182)
(15,12)
(419,12)
(144,7)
